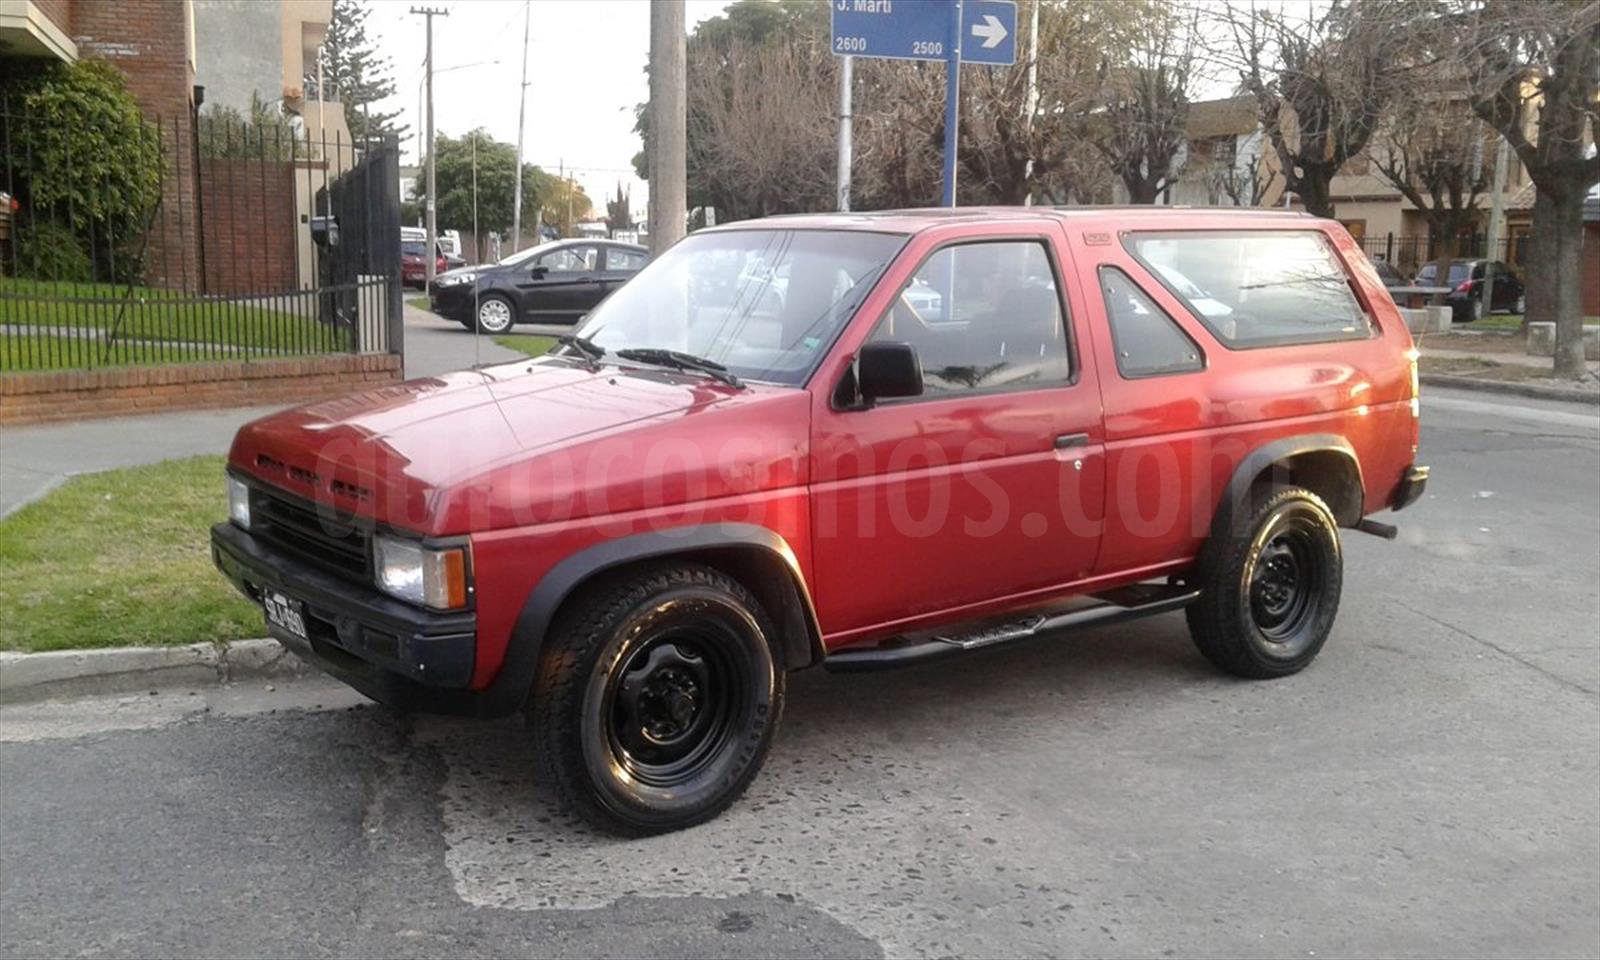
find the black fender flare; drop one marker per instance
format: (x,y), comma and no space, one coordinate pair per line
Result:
(795,613)
(1228,514)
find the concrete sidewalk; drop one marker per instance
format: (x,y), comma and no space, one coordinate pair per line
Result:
(34,460)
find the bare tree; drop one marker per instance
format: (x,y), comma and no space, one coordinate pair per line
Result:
(1322,82)
(1534,71)
(1246,181)
(1432,150)
(1140,123)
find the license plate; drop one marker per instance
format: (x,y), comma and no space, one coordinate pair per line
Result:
(285,613)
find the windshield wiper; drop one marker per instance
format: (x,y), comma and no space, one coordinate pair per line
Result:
(678,360)
(583,346)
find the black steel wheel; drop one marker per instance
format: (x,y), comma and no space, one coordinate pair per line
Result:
(657,698)
(1269,596)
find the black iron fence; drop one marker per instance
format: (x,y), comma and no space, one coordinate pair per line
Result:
(1409,254)
(216,237)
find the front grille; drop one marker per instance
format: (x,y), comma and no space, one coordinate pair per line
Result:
(320,536)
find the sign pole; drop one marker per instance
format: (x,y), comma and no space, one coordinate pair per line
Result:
(845,64)
(952,102)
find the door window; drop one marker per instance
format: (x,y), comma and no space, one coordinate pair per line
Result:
(982,316)
(569,260)
(619,259)
(1148,342)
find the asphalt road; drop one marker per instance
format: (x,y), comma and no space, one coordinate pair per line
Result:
(1428,787)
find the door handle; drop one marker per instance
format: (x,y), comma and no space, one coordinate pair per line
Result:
(1067,440)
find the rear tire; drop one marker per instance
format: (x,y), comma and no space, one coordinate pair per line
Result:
(1269,596)
(657,698)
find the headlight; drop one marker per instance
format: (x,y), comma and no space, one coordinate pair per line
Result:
(457,279)
(410,571)
(238,502)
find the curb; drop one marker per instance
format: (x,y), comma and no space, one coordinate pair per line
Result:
(57,673)
(1537,391)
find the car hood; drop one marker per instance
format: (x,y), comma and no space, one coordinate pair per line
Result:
(525,442)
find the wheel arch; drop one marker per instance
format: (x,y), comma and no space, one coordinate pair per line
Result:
(754,555)
(1325,464)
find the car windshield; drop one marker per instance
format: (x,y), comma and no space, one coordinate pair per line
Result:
(411,248)
(766,304)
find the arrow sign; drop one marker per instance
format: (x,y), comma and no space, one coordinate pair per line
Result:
(991,31)
(920,30)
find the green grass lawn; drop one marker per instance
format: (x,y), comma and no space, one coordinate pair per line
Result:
(150,319)
(421,303)
(532,344)
(121,558)
(1512,321)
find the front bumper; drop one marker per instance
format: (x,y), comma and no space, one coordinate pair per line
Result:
(391,651)
(453,301)
(1411,487)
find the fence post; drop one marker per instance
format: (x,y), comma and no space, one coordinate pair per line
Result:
(387,256)
(1388,247)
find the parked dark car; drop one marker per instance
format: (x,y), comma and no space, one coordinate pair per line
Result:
(555,282)
(414,266)
(1465,280)
(1390,276)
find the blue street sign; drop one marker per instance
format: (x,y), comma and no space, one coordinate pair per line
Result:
(920,30)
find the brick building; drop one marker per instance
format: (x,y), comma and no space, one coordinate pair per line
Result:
(172,53)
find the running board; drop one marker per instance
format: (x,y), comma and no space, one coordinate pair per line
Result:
(1125,603)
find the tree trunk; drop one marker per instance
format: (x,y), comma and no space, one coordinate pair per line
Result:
(1538,277)
(1141,189)
(1313,187)
(1559,224)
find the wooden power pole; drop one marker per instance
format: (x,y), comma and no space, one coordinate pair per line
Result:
(668,126)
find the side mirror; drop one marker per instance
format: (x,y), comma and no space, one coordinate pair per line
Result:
(887,370)
(537,272)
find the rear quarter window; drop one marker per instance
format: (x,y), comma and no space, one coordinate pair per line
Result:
(1257,288)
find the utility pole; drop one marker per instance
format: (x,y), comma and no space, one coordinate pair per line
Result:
(845,70)
(428,256)
(1033,93)
(522,110)
(668,122)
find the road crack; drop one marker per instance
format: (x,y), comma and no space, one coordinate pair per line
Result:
(1499,649)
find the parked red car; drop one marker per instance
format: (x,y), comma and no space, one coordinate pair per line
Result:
(1080,416)
(414,263)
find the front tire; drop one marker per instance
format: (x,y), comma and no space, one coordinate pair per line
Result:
(657,698)
(495,314)
(1269,596)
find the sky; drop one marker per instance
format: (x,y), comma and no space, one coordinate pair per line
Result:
(586,61)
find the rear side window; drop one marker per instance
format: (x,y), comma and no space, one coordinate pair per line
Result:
(1257,288)
(983,316)
(1148,342)
(620,259)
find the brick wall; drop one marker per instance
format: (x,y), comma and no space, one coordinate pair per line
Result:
(79,394)
(58,12)
(148,41)
(248,228)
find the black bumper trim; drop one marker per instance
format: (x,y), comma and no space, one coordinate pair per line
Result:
(1411,487)
(389,650)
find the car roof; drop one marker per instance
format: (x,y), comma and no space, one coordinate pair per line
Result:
(606,241)
(919,219)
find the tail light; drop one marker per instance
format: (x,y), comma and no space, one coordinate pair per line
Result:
(1466,286)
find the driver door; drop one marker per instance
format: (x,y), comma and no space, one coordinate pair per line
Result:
(988,488)
(559,284)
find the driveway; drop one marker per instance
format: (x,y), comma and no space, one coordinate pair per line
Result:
(1426,788)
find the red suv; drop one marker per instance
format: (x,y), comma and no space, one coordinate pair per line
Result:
(859,440)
